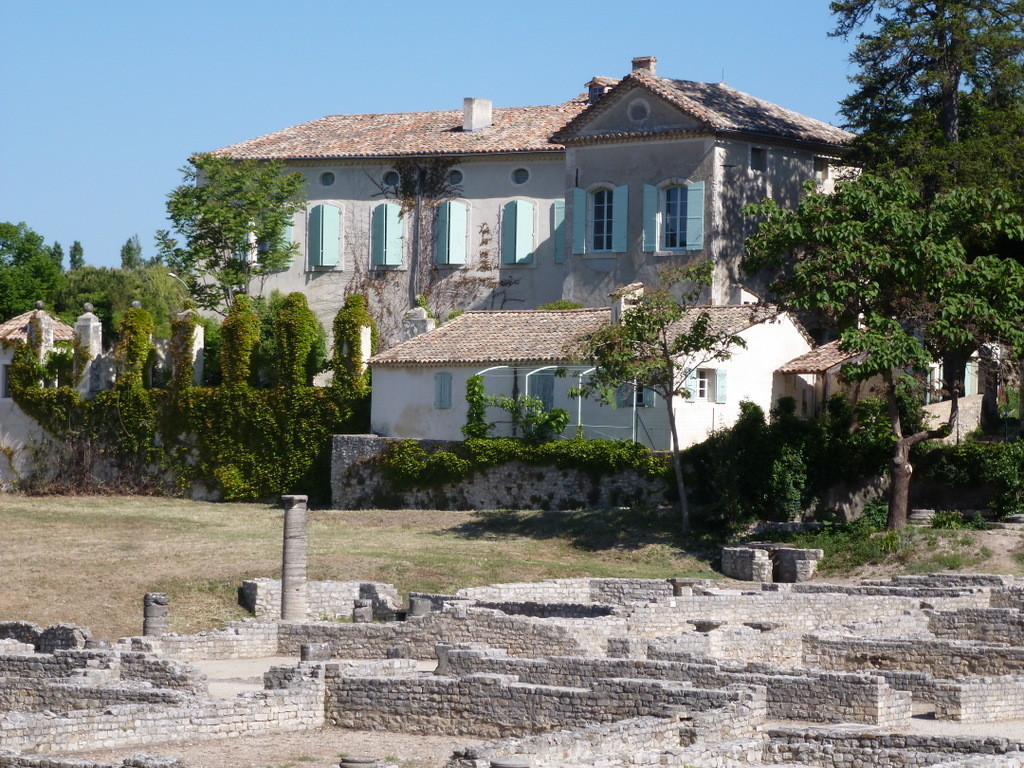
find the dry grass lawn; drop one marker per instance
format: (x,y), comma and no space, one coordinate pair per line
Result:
(88,560)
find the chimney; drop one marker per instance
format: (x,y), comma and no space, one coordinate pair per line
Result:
(645,65)
(476,114)
(624,299)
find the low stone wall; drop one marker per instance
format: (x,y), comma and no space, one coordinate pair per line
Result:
(518,635)
(325,600)
(135,761)
(297,708)
(986,625)
(500,705)
(551,610)
(34,695)
(791,694)
(357,483)
(741,644)
(240,640)
(841,749)
(45,639)
(946,659)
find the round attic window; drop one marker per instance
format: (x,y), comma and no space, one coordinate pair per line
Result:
(639,111)
(455,177)
(326,179)
(520,176)
(391,179)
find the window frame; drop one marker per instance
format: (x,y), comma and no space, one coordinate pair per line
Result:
(761,164)
(663,214)
(608,219)
(443,390)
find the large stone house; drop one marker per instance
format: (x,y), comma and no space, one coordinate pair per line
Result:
(419,385)
(510,208)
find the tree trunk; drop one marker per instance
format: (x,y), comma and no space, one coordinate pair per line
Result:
(677,464)
(899,491)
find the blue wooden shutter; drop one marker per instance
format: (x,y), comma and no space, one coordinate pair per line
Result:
(652,196)
(648,395)
(579,220)
(517,232)
(620,218)
(695,216)
(720,390)
(441,235)
(324,231)
(458,230)
(378,230)
(386,235)
(442,390)
(558,229)
(690,384)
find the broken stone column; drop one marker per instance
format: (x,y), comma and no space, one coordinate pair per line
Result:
(154,614)
(293,559)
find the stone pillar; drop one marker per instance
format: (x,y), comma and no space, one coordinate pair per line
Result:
(42,334)
(89,338)
(154,614)
(415,322)
(293,560)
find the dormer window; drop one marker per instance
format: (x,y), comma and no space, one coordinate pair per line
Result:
(594,93)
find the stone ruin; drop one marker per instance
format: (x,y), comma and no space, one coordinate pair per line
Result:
(559,673)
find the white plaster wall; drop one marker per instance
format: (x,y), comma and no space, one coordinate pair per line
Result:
(18,435)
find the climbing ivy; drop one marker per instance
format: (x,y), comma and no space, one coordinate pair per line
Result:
(476,414)
(295,331)
(183,329)
(350,375)
(240,333)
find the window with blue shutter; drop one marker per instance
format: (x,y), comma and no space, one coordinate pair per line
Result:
(650,234)
(720,386)
(386,235)
(690,385)
(602,219)
(695,216)
(324,236)
(517,232)
(442,390)
(451,232)
(620,211)
(579,221)
(558,229)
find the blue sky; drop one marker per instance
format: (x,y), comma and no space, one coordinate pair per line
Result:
(103,101)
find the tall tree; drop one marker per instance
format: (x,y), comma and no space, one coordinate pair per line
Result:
(76,256)
(655,344)
(939,88)
(57,254)
(28,272)
(908,278)
(231,217)
(131,254)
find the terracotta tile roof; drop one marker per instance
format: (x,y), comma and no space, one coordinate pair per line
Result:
(16,329)
(532,335)
(818,360)
(720,108)
(513,129)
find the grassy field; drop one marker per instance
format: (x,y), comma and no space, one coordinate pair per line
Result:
(88,560)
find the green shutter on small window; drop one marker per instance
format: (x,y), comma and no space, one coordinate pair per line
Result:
(652,196)
(324,232)
(508,233)
(558,229)
(377,233)
(458,230)
(695,216)
(720,386)
(442,390)
(648,395)
(579,220)
(524,231)
(620,218)
(690,384)
(441,235)
(393,235)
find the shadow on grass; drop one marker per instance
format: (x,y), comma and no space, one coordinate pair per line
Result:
(593,530)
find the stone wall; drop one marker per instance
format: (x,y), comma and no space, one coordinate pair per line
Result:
(357,483)
(325,600)
(946,659)
(791,694)
(45,639)
(240,640)
(841,749)
(499,705)
(298,707)
(986,625)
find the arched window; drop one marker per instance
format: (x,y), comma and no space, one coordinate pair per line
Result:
(517,232)
(386,235)
(451,230)
(324,236)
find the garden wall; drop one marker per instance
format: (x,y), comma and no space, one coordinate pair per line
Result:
(357,483)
